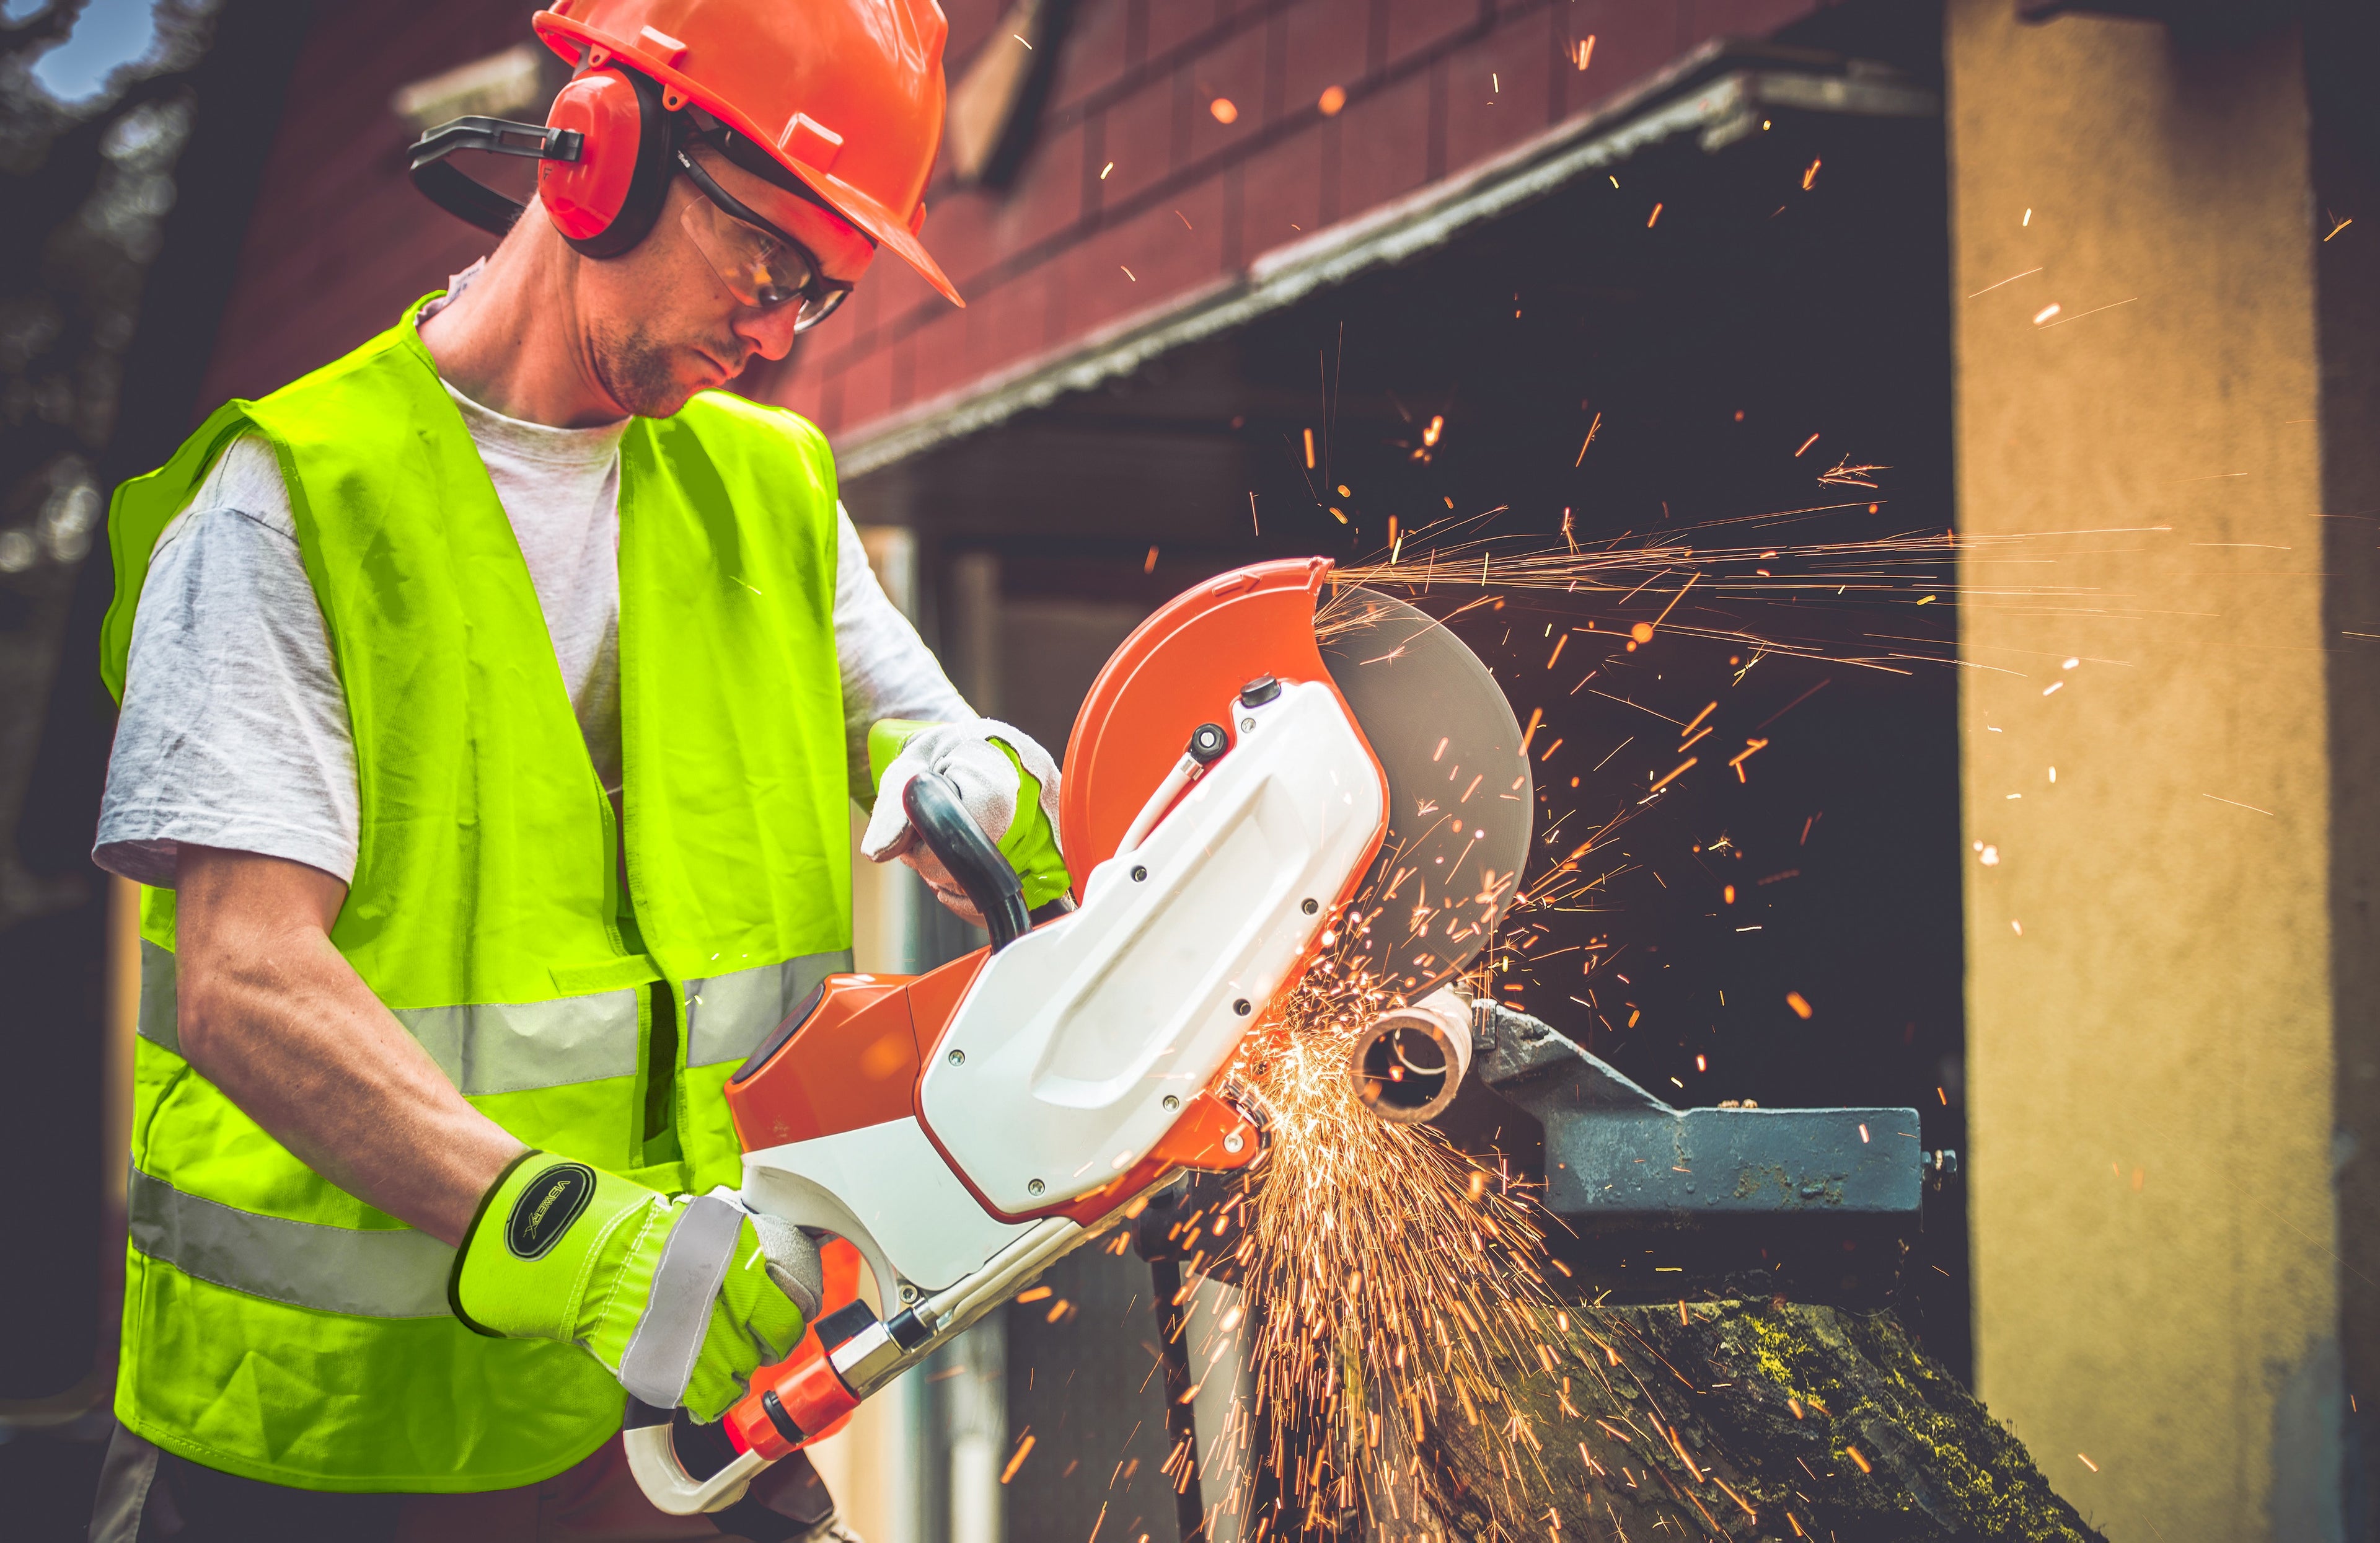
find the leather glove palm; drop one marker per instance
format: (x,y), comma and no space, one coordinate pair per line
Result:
(1005,778)
(680,1299)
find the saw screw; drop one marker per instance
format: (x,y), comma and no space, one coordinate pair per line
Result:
(1309,906)
(956,1058)
(1241,1007)
(1173,1102)
(1140,875)
(1247,725)
(908,1292)
(1234,1142)
(1034,1187)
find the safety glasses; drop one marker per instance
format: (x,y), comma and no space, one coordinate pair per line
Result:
(761,265)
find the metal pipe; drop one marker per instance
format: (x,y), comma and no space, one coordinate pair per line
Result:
(1409,1064)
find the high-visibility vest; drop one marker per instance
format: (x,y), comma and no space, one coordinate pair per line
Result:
(278,1328)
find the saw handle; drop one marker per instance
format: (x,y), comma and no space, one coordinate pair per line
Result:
(648,1434)
(950,833)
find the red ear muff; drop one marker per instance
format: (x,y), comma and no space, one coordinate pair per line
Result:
(606,201)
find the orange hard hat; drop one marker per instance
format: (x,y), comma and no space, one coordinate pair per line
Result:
(846,94)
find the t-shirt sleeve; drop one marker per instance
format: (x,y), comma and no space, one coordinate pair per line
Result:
(233,731)
(888,672)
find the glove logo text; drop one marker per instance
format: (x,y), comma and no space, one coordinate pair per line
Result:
(547,1207)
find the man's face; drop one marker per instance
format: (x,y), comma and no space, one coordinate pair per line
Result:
(661,324)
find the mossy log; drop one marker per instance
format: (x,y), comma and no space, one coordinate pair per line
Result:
(1738,1420)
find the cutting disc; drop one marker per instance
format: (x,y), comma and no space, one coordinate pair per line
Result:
(1461,802)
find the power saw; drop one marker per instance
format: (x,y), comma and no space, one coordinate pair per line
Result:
(1274,774)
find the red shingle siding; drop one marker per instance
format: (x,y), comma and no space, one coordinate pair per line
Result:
(339,241)
(1384,144)
(1432,86)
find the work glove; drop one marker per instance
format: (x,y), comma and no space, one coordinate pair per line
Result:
(681,1298)
(1008,783)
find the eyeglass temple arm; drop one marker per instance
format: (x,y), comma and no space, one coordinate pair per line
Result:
(474,201)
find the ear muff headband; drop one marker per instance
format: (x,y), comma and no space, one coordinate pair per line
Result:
(604,163)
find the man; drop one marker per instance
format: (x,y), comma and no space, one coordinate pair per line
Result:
(491,699)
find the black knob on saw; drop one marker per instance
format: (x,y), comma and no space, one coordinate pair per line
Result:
(950,833)
(1207,743)
(1259,691)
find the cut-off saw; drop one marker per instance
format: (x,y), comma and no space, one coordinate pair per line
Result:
(1275,776)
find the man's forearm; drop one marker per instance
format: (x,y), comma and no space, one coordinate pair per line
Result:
(274,1015)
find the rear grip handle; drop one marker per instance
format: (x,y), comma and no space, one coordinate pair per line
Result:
(950,833)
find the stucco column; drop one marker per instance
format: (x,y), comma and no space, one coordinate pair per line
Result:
(2165,1022)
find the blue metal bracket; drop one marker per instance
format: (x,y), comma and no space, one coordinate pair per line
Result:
(1615,1153)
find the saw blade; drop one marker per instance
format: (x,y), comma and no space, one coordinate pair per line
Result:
(1461,801)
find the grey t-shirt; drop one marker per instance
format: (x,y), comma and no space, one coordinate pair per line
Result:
(234,732)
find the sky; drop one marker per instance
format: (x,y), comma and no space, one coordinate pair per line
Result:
(108,33)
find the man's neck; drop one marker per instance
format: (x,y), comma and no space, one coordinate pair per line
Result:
(513,343)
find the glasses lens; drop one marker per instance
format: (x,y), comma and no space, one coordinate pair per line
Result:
(813,312)
(757,269)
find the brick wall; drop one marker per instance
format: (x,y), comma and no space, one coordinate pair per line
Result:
(340,241)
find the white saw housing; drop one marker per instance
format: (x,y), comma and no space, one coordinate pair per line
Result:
(1076,1046)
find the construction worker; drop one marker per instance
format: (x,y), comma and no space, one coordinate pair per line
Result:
(490,700)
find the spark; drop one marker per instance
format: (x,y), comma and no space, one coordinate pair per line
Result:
(2236,804)
(1847,474)
(2010,279)
(2093,311)
(1673,776)
(1368,1341)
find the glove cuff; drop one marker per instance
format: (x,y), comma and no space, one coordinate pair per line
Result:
(480,1214)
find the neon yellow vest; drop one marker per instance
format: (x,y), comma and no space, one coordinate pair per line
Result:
(274,1325)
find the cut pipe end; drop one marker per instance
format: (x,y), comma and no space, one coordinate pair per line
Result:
(1409,1065)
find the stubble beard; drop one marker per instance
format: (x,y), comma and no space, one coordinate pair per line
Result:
(636,371)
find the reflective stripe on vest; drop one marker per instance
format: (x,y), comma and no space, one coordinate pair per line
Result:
(388,1273)
(512,1048)
(727,1017)
(397,1272)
